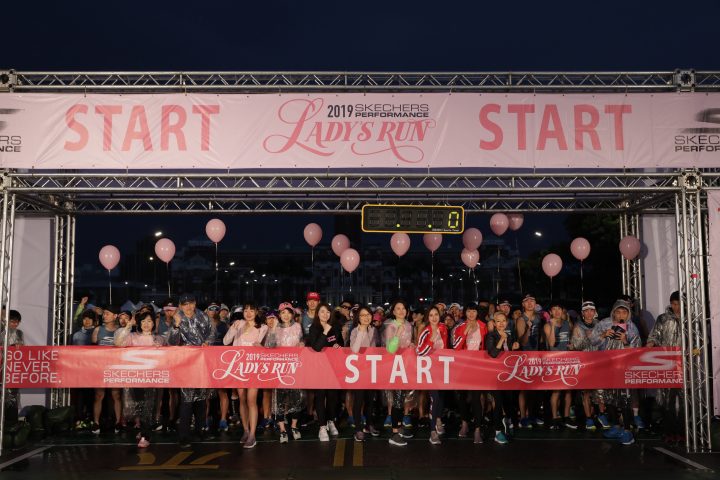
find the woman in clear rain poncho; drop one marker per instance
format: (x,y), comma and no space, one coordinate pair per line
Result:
(139,403)
(287,403)
(398,334)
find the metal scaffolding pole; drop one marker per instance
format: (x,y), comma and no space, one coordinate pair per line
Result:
(63,278)
(6,250)
(693,313)
(632,269)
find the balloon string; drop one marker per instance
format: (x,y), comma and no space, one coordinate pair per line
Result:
(167,266)
(432,275)
(397,274)
(312,267)
(517,249)
(551,291)
(582,285)
(216,271)
(110,285)
(476,286)
(497,282)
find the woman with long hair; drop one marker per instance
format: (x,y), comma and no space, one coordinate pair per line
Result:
(324,332)
(139,403)
(288,403)
(247,332)
(398,334)
(433,337)
(363,336)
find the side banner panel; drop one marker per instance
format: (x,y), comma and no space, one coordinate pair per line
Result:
(459,130)
(373,368)
(714,290)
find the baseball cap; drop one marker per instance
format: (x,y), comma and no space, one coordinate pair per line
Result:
(213,307)
(504,301)
(187,298)
(126,312)
(456,305)
(588,305)
(313,296)
(528,296)
(224,307)
(111,308)
(286,306)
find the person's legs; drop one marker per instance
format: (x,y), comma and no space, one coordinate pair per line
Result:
(242,393)
(97,405)
(186,409)
(252,407)
(320,407)
(358,405)
(117,405)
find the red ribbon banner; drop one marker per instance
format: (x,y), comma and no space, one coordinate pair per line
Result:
(372,368)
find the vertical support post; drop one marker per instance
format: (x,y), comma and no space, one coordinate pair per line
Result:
(6,253)
(631,269)
(63,282)
(693,312)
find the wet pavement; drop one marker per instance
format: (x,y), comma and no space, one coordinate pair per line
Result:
(536,455)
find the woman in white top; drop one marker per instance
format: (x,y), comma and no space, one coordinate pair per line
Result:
(247,333)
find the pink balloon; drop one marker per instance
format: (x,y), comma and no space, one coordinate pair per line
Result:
(580,248)
(400,243)
(551,264)
(312,234)
(165,249)
(516,220)
(630,247)
(350,259)
(109,256)
(215,230)
(470,257)
(499,223)
(472,238)
(339,244)
(432,241)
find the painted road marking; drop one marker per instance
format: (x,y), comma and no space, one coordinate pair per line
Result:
(339,460)
(683,459)
(22,457)
(358,454)
(147,462)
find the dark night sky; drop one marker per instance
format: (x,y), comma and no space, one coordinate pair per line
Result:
(333,35)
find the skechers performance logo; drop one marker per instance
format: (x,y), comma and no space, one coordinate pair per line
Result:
(701,139)
(138,367)
(9,143)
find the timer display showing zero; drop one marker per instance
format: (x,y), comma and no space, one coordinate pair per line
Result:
(413,219)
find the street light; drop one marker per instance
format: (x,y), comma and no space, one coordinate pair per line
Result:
(158,233)
(152,258)
(232,264)
(538,234)
(252,271)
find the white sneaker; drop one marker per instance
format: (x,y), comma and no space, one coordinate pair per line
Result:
(296,434)
(332,428)
(323,434)
(283,437)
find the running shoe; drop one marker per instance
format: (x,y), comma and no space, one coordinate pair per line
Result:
(223,427)
(463,430)
(184,444)
(440,428)
(407,421)
(332,429)
(638,422)
(351,421)
(555,423)
(404,433)
(539,421)
(570,423)
(323,434)
(359,436)
(603,421)
(95,428)
(157,426)
(435,438)
(244,437)
(283,437)
(296,434)
(525,423)
(500,438)
(477,436)
(371,430)
(590,425)
(388,422)
(507,425)
(626,438)
(397,440)
(119,428)
(250,443)
(143,443)
(263,424)
(614,433)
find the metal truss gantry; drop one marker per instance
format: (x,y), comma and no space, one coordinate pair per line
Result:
(6,249)
(630,194)
(632,269)
(274,82)
(695,342)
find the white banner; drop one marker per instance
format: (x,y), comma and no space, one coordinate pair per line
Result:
(465,130)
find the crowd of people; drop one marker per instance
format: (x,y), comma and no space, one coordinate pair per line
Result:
(496,327)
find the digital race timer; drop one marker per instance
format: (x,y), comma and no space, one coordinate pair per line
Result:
(413,219)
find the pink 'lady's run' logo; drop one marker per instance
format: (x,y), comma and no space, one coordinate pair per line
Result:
(311,130)
(264,366)
(530,370)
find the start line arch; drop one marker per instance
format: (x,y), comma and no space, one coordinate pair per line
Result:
(662,186)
